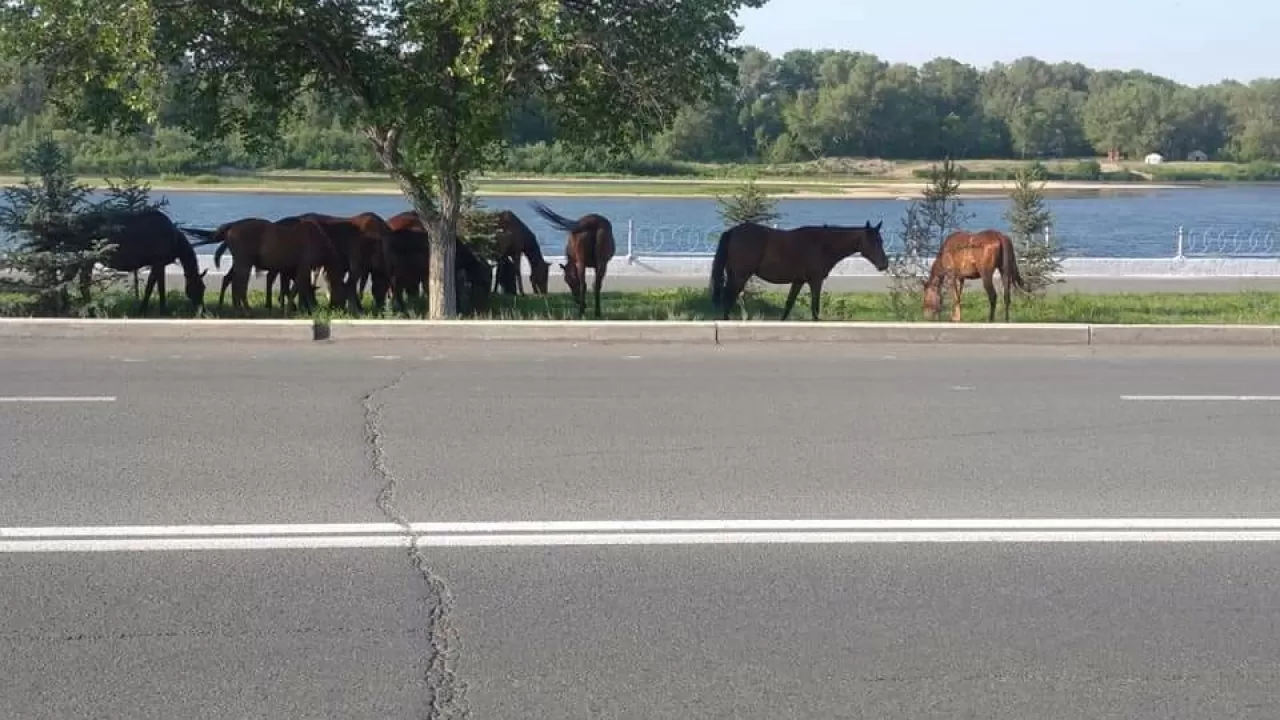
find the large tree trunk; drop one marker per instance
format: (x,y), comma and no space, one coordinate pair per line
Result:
(441,225)
(442,299)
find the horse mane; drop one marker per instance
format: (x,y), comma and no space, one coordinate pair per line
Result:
(555,218)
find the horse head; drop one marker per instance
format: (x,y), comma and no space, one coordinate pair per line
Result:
(873,246)
(932,299)
(538,275)
(571,276)
(195,289)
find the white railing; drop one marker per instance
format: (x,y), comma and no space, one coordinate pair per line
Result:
(672,240)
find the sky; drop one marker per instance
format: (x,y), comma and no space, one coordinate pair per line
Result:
(1196,42)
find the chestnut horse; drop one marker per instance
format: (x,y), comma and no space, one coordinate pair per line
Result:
(969,256)
(291,247)
(590,245)
(516,239)
(798,256)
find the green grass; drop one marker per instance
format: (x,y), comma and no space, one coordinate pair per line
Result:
(693,304)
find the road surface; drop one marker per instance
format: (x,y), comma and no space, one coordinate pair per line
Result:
(301,618)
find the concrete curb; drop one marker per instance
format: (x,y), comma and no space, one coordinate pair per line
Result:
(710,333)
(874,332)
(144,329)
(1236,335)
(532,330)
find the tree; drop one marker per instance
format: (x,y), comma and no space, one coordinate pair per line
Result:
(432,84)
(926,223)
(1029,219)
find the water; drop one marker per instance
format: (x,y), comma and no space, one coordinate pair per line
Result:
(1222,221)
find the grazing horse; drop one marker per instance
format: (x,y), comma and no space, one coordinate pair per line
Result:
(590,245)
(516,239)
(150,239)
(408,258)
(797,256)
(290,246)
(970,256)
(359,242)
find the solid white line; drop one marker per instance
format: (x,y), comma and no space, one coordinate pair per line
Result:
(57,399)
(1202,398)
(632,526)
(612,539)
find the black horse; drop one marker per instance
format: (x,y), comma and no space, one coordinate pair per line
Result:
(149,239)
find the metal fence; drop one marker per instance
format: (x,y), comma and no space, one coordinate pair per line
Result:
(656,240)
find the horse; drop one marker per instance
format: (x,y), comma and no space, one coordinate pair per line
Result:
(359,241)
(292,246)
(150,239)
(515,239)
(590,245)
(797,256)
(408,257)
(970,256)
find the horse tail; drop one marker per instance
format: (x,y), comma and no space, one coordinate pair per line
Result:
(1009,264)
(555,218)
(207,237)
(718,268)
(217,254)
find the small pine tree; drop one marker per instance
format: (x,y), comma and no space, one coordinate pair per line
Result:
(46,216)
(477,226)
(926,223)
(748,203)
(1030,219)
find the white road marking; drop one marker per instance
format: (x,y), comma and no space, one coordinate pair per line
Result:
(1202,398)
(637,532)
(57,398)
(386,357)
(961,388)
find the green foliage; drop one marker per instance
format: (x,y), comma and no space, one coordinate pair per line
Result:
(1030,220)
(925,224)
(798,107)
(48,218)
(748,203)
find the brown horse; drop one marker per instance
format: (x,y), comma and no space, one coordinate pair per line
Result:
(969,256)
(798,256)
(516,239)
(408,256)
(590,245)
(292,247)
(359,241)
(506,274)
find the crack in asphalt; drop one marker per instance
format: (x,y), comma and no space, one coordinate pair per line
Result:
(446,690)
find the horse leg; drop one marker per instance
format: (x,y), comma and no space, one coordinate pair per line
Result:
(146,294)
(1008,282)
(222,294)
(157,271)
(989,284)
(815,297)
(957,290)
(791,298)
(599,283)
(271,283)
(733,288)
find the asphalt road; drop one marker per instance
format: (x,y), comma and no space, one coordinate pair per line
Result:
(204,433)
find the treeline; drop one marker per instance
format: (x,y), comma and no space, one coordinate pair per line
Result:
(802,106)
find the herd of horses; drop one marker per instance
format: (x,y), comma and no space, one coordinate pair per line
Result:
(392,256)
